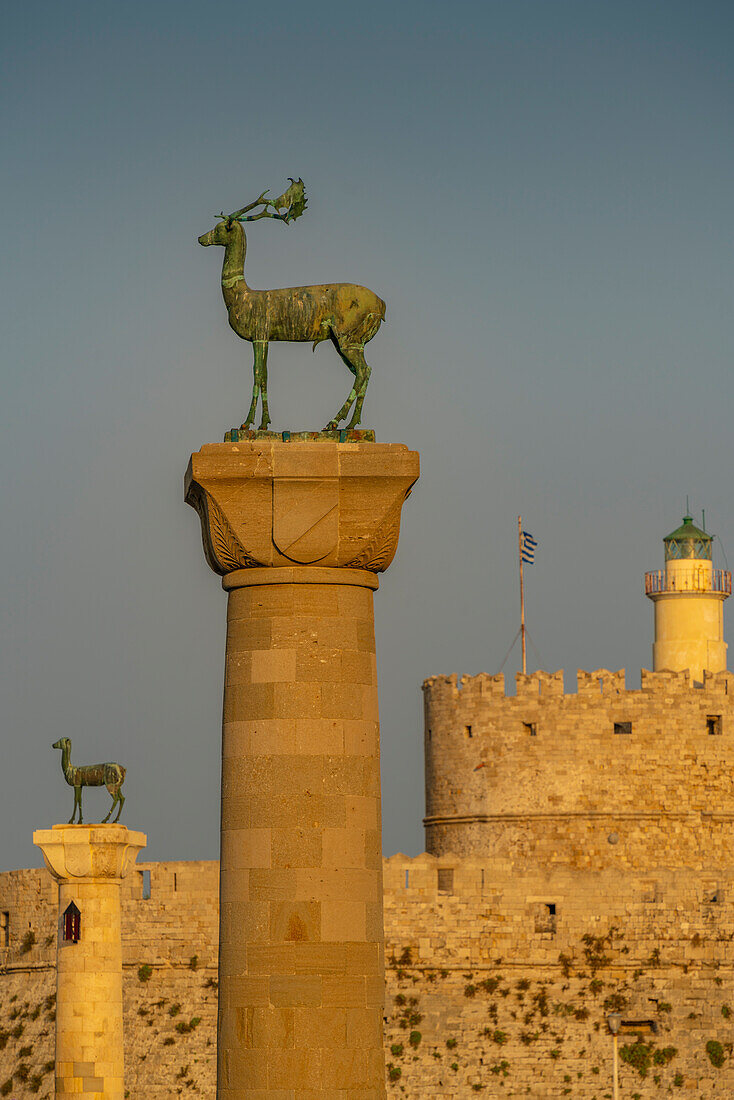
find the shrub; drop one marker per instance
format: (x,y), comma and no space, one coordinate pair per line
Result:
(638,1055)
(27,942)
(715,1052)
(451,1043)
(678,1080)
(499,1037)
(555,1054)
(25,1052)
(22,1071)
(174,1010)
(169,1041)
(145,972)
(17,1031)
(662,1057)
(470,990)
(193,962)
(394,1073)
(397,1049)
(6,1087)
(665,1006)
(414,1039)
(725,1011)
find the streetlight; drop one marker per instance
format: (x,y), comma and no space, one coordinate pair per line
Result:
(614,1021)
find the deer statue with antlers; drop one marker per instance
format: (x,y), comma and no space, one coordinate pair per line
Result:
(347,314)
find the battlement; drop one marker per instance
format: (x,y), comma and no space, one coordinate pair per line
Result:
(550,685)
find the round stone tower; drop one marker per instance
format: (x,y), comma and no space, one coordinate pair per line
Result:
(689,599)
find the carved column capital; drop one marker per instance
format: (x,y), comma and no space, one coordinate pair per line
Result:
(89,852)
(265,503)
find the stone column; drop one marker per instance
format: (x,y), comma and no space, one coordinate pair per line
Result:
(89,863)
(299,531)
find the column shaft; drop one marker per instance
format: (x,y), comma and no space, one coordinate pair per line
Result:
(301,961)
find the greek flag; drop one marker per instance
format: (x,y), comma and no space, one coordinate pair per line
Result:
(528,548)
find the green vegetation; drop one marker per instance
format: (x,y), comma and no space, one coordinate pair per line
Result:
(715,1053)
(27,942)
(145,972)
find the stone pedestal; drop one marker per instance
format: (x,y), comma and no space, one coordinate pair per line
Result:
(299,532)
(89,863)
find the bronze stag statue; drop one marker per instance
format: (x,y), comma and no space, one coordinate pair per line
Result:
(111,776)
(347,314)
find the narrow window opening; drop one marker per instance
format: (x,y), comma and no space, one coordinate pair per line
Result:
(482,888)
(71,924)
(623,727)
(430,735)
(713,724)
(714,897)
(445,880)
(145,883)
(530,728)
(467,731)
(175,882)
(407,879)
(546,917)
(5,928)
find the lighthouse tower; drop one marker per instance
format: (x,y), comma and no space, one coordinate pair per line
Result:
(689,599)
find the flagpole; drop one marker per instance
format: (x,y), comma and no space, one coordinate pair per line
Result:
(522,596)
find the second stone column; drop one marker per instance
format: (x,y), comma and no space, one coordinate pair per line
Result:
(301,938)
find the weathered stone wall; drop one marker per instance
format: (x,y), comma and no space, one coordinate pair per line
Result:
(490,991)
(169,945)
(542,776)
(498,994)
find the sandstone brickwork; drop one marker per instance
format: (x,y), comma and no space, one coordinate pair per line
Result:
(487,991)
(542,776)
(299,531)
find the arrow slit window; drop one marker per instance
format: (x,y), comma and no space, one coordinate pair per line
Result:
(71,924)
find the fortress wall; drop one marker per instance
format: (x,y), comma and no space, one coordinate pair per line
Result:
(544,772)
(170,1006)
(507,998)
(474,955)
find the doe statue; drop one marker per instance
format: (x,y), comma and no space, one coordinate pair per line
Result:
(111,776)
(347,314)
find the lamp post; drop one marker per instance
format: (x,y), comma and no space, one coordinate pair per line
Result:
(614,1021)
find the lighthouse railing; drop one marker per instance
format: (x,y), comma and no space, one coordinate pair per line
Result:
(718,580)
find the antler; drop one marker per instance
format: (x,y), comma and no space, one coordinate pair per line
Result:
(240,215)
(294,198)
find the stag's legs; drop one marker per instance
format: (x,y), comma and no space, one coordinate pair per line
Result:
(260,386)
(77,802)
(117,797)
(261,350)
(353,356)
(363,378)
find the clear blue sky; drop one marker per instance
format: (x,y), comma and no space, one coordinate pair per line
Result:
(541,190)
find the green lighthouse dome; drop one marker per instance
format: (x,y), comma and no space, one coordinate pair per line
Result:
(688,541)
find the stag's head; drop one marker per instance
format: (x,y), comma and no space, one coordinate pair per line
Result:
(62,743)
(293,201)
(222,233)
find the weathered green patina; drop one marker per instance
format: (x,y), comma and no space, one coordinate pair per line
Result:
(347,314)
(111,776)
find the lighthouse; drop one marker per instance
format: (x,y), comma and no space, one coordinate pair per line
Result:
(689,595)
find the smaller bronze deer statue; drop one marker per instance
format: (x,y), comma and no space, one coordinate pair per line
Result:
(111,776)
(347,314)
